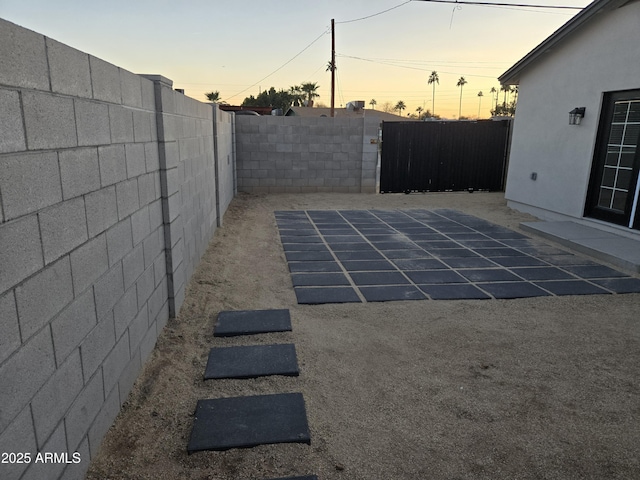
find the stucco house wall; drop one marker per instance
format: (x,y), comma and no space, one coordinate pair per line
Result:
(601,56)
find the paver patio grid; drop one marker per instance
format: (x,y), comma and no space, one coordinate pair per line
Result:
(338,256)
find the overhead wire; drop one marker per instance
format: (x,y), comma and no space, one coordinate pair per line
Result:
(283,65)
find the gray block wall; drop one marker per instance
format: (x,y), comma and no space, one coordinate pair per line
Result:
(107,202)
(299,154)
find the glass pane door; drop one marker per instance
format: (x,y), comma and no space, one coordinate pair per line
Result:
(614,186)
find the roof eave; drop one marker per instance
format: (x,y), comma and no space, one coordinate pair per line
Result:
(512,75)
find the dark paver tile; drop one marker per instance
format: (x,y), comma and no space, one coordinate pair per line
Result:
(489,275)
(481,244)
(319,295)
(513,290)
(406,253)
(453,292)
(359,255)
(594,271)
(571,287)
(309,256)
(524,261)
(247,322)
(314,267)
(297,232)
(378,278)
(304,247)
(331,239)
(453,253)
(393,245)
(435,276)
(237,422)
(391,293)
(469,262)
(498,252)
(319,279)
(351,246)
(419,264)
(438,244)
(542,273)
(620,285)
(301,239)
(367,265)
(252,361)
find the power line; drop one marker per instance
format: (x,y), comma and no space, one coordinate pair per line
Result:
(283,65)
(407,66)
(496,4)
(376,14)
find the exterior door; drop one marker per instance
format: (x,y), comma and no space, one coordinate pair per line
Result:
(614,188)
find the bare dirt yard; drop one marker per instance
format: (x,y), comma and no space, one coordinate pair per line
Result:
(537,388)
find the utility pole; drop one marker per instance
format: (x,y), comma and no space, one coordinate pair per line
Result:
(333,67)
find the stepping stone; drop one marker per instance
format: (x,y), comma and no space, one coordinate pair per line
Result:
(379,278)
(571,287)
(454,292)
(620,285)
(391,293)
(319,295)
(319,279)
(252,361)
(249,322)
(542,273)
(489,275)
(242,422)
(513,290)
(595,271)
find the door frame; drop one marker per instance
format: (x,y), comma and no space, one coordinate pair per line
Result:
(630,218)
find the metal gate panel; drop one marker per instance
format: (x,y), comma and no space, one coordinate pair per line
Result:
(443,156)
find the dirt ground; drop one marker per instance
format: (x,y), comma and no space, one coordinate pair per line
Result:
(537,388)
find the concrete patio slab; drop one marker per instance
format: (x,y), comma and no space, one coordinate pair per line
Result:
(608,247)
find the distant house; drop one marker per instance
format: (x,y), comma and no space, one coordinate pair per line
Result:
(586,172)
(344,113)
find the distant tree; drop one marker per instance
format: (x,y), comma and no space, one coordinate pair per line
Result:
(271,98)
(480,95)
(373,103)
(493,90)
(461,83)
(387,107)
(331,66)
(310,90)
(433,79)
(400,106)
(297,95)
(419,110)
(213,97)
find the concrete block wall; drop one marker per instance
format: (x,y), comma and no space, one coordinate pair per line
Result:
(294,154)
(107,202)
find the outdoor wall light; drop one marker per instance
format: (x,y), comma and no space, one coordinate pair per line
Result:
(576,115)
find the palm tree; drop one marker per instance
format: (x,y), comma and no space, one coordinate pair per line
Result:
(297,95)
(400,106)
(310,89)
(373,103)
(433,79)
(213,97)
(493,90)
(480,95)
(461,83)
(505,89)
(419,110)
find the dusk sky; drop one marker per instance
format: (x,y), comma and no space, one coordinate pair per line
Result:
(235,46)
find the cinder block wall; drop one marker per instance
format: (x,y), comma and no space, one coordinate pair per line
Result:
(299,154)
(107,202)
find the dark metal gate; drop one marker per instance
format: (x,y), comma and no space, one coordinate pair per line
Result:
(443,156)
